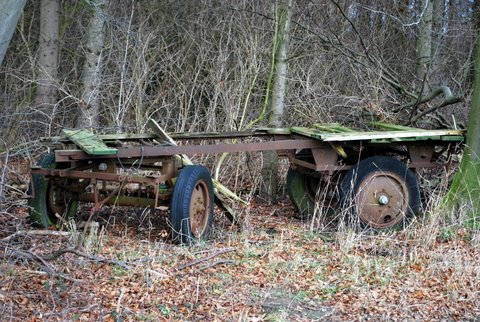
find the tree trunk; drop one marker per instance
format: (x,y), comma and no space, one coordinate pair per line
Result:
(47,59)
(465,190)
(268,188)
(10,11)
(92,69)
(424,40)
(284,12)
(437,38)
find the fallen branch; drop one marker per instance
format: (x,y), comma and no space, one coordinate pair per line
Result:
(206,258)
(43,259)
(157,274)
(37,233)
(71,279)
(20,254)
(432,109)
(63,251)
(218,262)
(445,90)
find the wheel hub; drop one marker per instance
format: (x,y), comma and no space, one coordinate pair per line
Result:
(382,199)
(199,209)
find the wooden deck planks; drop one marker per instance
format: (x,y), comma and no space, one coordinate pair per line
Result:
(382,136)
(89,143)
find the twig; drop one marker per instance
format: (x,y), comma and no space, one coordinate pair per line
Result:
(432,109)
(206,258)
(445,90)
(8,214)
(37,233)
(3,176)
(217,262)
(119,302)
(71,279)
(49,257)
(60,252)
(29,256)
(157,274)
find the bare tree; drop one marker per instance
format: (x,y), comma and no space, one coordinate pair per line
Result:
(48,55)
(91,75)
(465,189)
(424,40)
(438,22)
(283,13)
(10,11)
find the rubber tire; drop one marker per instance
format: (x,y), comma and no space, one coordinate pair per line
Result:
(364,168)
(297,192)
(40,213)
(180,204)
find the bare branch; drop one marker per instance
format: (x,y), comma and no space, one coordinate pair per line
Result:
(206,258)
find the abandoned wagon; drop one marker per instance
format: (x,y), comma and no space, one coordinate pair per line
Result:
(375,171)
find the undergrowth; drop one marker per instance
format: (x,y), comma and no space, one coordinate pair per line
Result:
(272,266)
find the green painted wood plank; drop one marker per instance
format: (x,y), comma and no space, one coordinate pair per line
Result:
(312,133)
(416,135)
(382,136)
(394,127)
(333,127)
(89,143)
(126,136)
(453,138)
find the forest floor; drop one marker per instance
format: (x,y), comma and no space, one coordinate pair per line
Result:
(272,267)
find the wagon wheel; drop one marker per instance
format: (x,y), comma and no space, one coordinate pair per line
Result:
(303,190)
(381,192)
(49,199)
(192,205)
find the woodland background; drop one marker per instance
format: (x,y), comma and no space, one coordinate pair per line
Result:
(204,66)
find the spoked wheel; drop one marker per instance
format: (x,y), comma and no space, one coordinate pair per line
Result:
(192,205)
(304,189)
(49,199)
(380,193)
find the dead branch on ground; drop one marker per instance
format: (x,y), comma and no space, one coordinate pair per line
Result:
(36,233)
(206,258)
(43,259)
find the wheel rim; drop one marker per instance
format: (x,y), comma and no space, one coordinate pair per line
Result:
(382,199)
(199,209)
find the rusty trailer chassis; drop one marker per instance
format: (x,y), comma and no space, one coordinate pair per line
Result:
(145,169)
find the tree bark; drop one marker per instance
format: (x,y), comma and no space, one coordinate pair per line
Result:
(438,15)
(424,40)
(48,56)
(269,185)
(465,190)
(47,65)
(284,12)
(92,69)
(10,11)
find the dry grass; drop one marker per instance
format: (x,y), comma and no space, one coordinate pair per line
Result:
(280,270)
(272,267)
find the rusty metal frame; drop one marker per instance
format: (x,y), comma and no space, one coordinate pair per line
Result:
(326,160)
(170,150)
